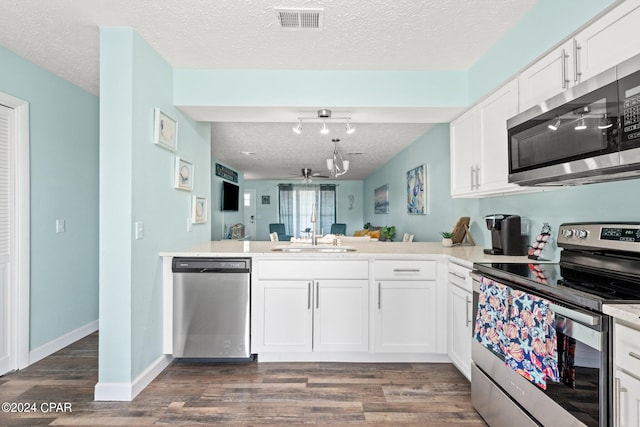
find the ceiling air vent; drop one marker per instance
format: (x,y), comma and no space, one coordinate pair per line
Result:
(300,18)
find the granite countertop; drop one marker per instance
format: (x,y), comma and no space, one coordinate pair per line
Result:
(235,248)
(627,312)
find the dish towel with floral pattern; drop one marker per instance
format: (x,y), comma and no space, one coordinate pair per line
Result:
(492,315)
(531,341)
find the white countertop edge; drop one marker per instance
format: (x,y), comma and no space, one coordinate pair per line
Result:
(627,312)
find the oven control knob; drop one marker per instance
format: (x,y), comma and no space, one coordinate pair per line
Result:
(581,234)
(567,232)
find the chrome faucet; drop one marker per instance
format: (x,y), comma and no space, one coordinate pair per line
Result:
(314,236)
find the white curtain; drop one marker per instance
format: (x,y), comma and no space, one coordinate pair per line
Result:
(296,202)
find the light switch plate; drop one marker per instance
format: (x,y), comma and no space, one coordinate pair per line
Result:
(139,230)
(60,226)
(189,225)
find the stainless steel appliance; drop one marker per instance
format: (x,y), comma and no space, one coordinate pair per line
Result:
(506,235)
(589,133)
(599,264)
(211,307)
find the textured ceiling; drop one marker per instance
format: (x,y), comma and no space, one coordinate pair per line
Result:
(63,36)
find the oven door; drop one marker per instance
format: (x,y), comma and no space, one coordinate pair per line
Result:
(581,397)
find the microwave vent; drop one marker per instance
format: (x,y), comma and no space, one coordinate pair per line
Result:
(297,19)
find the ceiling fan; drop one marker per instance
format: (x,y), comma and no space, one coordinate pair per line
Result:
(307,175)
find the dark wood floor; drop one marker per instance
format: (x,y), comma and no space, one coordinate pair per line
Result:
(242,394)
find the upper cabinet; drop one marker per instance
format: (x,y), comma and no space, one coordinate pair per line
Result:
(601,45)
(479,146)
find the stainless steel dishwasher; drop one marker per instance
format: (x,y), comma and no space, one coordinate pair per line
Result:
(211,307)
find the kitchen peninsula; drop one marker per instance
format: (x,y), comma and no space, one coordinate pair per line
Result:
(361,302)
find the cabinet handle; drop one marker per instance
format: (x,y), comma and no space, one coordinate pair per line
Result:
(472,171)
(619,390)
(406,270)
(379,296)
(634,355)
(576,64)
(317,294)
(459,276)
(563,59)
(467,313)
(477,177)
(309,296)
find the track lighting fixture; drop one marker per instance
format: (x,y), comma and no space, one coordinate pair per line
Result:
(324,115)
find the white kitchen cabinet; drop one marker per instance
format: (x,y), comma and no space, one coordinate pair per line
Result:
(405,318)
(626,397)
(460,322)
(479,148)
(547,77)
(609,40)
(407,306)
(464,147)
(627,400)
(328,311)
(601,45)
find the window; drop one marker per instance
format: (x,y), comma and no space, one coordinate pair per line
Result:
(296,202)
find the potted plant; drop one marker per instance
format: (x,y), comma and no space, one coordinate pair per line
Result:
(446,238)
(388,232)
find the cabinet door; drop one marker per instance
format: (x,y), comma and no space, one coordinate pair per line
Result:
(405,317)
(460,322)
(494,112)
(341,315)
(609,41)
(627,400)
(285,316)
(464,141)
(548,77)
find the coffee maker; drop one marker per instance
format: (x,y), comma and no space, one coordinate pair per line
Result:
(506,235)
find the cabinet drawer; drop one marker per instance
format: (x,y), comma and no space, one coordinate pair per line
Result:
(459,276)
(311,269)
(627,348)
(406,269)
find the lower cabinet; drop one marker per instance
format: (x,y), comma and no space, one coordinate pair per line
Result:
(314,315)
(627,400)
(405,316)
(626,397)
(460,322)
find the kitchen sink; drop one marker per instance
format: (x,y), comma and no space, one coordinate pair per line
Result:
(310,248)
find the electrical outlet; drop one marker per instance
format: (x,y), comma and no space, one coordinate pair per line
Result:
(60,226)
(139,230)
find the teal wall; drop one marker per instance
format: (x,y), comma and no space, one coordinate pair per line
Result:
(64,185)
(136,184)
(432,150)
(352,215)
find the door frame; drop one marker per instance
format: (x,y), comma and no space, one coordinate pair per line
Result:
(20,265)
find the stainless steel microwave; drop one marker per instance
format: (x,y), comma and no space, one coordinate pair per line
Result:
(589,133)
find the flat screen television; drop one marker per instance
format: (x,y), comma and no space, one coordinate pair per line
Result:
(230,196)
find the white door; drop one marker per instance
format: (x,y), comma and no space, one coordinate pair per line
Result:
(250,214)
(7,288)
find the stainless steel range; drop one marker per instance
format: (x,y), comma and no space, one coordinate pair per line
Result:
(542,345)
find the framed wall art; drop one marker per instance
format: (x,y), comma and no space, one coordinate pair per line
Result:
(165,131)
(198,210)
(381,199)
(416,190)
(183,175)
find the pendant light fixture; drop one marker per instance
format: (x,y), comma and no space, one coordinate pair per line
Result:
(324,115)
(337,165)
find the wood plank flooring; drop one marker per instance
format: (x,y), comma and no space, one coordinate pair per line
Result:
(226,394)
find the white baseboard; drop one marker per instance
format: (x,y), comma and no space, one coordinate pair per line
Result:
(61,342)
(126,392)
